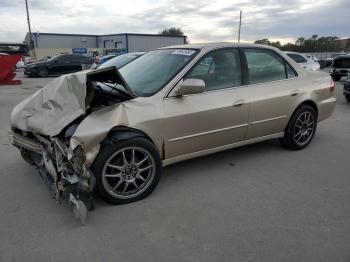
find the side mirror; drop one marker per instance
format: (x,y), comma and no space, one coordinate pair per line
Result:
(190,86)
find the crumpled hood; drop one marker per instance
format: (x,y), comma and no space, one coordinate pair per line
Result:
(60,102)
(53,107)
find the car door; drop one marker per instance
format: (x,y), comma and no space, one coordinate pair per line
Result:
(56,65)
(214,118)
(76,62)
(73,63)
(273,91)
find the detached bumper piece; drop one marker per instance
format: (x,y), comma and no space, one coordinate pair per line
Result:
(66,178)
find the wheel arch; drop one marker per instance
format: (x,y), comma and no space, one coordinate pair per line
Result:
(308,103)
(120,133)
(305,102)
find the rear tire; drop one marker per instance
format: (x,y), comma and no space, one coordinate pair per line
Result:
(301,128)
(127,171)
(42,72)
(336,77)
(347,98)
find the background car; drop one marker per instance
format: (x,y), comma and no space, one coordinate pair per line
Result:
(105,58)
(346,90)
(304,61)
(325,62)
(340,67)
(312,57)
(31,61)
(119,61)
(58,65)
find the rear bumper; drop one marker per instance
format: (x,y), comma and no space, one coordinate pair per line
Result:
(326,108)
(339,72)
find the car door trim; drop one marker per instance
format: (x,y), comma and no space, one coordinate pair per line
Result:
(220,148)
(267,120)
(207,133)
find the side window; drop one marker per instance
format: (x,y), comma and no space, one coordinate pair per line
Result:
(61,59)
(290,72)
(336,62)
(84,60)
(297,58)
(264,66)
(219,69)
(345,63)
(76,59)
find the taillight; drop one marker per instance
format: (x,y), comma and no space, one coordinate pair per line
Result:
(331,86)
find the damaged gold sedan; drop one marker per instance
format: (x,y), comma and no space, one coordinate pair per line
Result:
(113,130)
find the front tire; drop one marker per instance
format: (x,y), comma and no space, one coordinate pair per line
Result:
(127,171)
(42,72)
(347,98)
(301,128)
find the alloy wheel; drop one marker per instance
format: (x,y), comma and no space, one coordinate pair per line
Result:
(128,172)
(304,128)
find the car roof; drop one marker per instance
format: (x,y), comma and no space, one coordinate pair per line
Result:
(137,53)
(208,46)
(342,56)
(291,52)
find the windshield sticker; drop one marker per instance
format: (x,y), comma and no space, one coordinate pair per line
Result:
(185,52)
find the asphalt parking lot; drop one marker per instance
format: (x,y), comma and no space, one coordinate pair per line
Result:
(255,203)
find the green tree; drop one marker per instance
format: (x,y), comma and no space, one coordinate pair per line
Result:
(300,41)
(172,31)
(263,41)
(312,44)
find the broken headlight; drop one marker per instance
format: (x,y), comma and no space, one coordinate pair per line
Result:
(79,158)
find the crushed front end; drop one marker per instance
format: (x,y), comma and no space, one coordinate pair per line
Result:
(44,124)
(64,172)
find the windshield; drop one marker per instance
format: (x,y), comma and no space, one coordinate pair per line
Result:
(54,57)
(119,61)
(152,71)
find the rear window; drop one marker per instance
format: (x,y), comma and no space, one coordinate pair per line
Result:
(297,58)
(342,62)
(264,66)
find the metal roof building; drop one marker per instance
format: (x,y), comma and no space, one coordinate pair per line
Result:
(125,42)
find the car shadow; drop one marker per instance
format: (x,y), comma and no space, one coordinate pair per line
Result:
(193,167)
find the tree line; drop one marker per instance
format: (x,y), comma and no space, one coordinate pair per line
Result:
(312,44)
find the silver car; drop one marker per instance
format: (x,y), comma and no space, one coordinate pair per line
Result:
(113,130)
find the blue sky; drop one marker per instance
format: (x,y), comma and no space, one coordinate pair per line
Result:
(201,20)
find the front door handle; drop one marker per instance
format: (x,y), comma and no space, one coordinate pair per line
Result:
(240,102)
(295,92)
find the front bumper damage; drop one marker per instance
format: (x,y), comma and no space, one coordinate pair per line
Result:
(64,172)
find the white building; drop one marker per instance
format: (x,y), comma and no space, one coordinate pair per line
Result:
(50,44)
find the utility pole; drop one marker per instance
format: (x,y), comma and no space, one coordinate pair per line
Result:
(239,28)
(31,43)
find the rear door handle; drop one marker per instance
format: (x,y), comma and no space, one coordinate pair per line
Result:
(295,92)
(240,102)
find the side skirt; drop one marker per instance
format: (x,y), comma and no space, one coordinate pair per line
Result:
(205,152)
